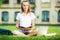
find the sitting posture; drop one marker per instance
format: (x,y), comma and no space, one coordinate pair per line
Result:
(25,21)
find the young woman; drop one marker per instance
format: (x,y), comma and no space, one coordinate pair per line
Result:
(25,21)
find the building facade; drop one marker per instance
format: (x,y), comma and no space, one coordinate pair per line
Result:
(46,11)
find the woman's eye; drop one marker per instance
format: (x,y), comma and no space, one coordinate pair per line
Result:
(24,5)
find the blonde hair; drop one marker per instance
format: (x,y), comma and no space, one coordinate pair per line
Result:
(22,6)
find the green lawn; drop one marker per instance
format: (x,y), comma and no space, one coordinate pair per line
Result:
(12,28)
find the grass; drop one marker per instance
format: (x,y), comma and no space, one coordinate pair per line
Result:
(29,38)
(12,28)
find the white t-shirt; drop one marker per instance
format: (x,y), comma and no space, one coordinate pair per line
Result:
(25,20)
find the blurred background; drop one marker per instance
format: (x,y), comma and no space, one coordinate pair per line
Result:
(47,11)
(47,14)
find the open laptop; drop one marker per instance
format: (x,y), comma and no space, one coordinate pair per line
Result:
(42,30)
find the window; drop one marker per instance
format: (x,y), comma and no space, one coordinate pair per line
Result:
(15,15)
(45,16)
(32,1)
(59,1)
(5,1)
(45,0)
(5,16)
(18,1)
(59,16)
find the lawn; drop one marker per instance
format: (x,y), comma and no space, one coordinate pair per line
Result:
(12,28)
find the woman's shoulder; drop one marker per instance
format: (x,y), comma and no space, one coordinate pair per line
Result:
(19,13)
(32,13)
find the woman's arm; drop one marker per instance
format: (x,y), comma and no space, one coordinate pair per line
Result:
(33,24)
(17,23)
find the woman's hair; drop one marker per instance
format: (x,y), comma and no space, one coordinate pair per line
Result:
(22,7)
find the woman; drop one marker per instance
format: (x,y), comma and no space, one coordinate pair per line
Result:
(25,21)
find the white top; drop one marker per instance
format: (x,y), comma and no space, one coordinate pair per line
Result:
(25,20)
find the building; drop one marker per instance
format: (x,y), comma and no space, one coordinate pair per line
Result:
(46,11)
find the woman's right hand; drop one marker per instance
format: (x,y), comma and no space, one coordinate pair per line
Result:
(17,26)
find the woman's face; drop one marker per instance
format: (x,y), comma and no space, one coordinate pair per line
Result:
(25,6)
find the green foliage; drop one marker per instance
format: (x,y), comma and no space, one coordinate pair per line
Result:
(1,2)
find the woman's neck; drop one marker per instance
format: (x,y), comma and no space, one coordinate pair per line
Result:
(25,12)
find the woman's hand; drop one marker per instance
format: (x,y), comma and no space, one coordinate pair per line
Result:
(17,26)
